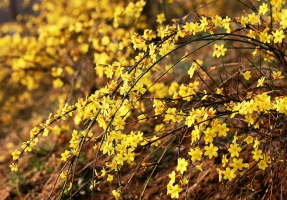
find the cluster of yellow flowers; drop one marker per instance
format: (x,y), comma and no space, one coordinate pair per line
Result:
(136,92)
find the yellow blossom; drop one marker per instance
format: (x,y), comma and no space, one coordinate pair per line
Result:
(184,181)
(253,19)
(224,160)
(110,177)
(264,37)
(219,91)
(116,194)
(277,75)
(219,50)
(199,167)
(160,18)
(237,164)
(220,173)
(246,75)
(181,165)
(263,9)
(16,154)
(262,164)
(261,81)
(256,143)
(174,191)
(257,154)
(234,150)
(278,36)
(14,167)
(229,174)
(248,139)
(222,129)
(251,34)
(195,154)
(210,151)
(65,155)
(172,177)
(217,21)
(63,175)
(58,83)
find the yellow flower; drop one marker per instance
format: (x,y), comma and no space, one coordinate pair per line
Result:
(58,83)
(256,143)
(246,75)
(278,35)
(248,139)
(16,154)
(224,160)
(283,18)
(195,154)
(119,123)
(219,91)
(219,50)
(262,164)
(199,167)
(251,34)
(191,71)
(174,191)
(160,18)
(277,75)
(203,23)
(119,159)
(261,81)
(234,150)
(65,155)
(253,19)
(243,20)
(220,173)
(192,28)
(264,37)
(217,21)
(110,177)
(222,129)
(257,154)
(210,151)
(116,194)
(181,165)
(184,181)
(63,175)
(14,167)
(26,146)
(226,23)
(263,9)
(172,177)
(229,174)
(103,172)
(237,164)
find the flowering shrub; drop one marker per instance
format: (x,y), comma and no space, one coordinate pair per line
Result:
(194,94)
